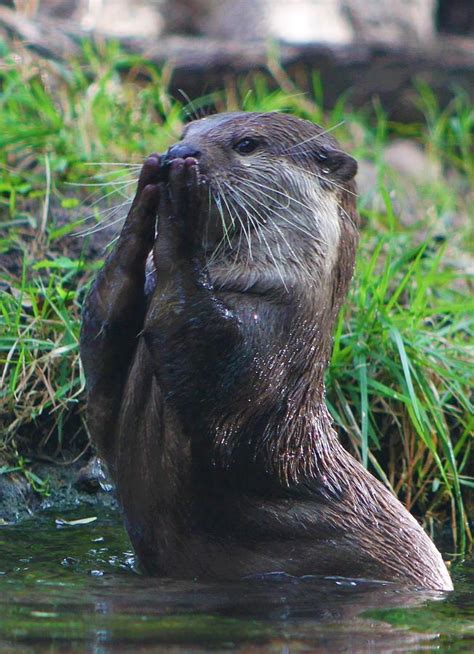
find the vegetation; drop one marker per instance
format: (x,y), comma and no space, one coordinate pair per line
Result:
(398,385)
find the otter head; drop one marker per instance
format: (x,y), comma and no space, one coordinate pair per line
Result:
(282,202)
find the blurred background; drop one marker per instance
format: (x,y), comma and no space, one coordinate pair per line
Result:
(296,21)
(369,49)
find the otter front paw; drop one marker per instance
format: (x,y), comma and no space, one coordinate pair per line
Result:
(181,222)
(140,222)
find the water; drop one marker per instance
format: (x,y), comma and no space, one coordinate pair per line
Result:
(67,588)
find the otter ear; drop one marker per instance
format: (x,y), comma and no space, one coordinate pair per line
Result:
(337,163)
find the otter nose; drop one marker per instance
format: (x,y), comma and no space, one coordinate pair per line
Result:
(181,151)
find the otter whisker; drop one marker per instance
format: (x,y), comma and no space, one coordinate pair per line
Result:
(98,199)
(251,222)
(245,230)
(216,253)
(260,228)
(301,259)
(120,182)
(272,256)
(276,213)
(263,224)
(232,202)
(236,259)
(113,163)
(266,225)
(104,197)
(111,211)
(114,207)
(331,182)
(235,220)
(196,112)
(283,193)
(205,239)
(283,217)
(276,187)
(240,200)
(102,178)
(99,228)
(311,209)
(313,138)
(112,242)
(292,198)
(224,224)
(347,214)
(119,177)
(217,196)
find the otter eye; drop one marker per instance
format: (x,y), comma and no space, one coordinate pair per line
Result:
(321,155)
(246,146)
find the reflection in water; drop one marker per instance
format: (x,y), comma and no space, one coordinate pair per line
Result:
(72,588)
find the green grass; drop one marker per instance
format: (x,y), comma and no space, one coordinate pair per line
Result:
(400,376)
(400,373)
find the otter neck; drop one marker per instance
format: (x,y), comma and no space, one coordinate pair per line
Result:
(291,443)
(304,451)
(287,435)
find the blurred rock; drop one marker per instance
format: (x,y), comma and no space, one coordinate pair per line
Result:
(292,21)
(17,498)
(121,18)
(190,17)
(410,160)
(362,50)
(408,164)
(93,477)
(410,177)
(115,18)
(391,21)
(366,181)
(304,21)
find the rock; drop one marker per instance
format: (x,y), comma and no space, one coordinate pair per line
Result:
(93,477)
(17,499)
(391,21)
(303,21)
(410,160)
(407,167)
(366,180)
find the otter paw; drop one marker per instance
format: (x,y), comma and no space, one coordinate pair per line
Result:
(151,172)
(185,189)
(138,232)
(183,183)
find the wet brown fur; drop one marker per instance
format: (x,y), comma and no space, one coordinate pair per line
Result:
(206,394)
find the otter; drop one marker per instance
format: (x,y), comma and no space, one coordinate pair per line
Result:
(205,370)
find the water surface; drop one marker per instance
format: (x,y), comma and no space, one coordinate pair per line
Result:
(73,588)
